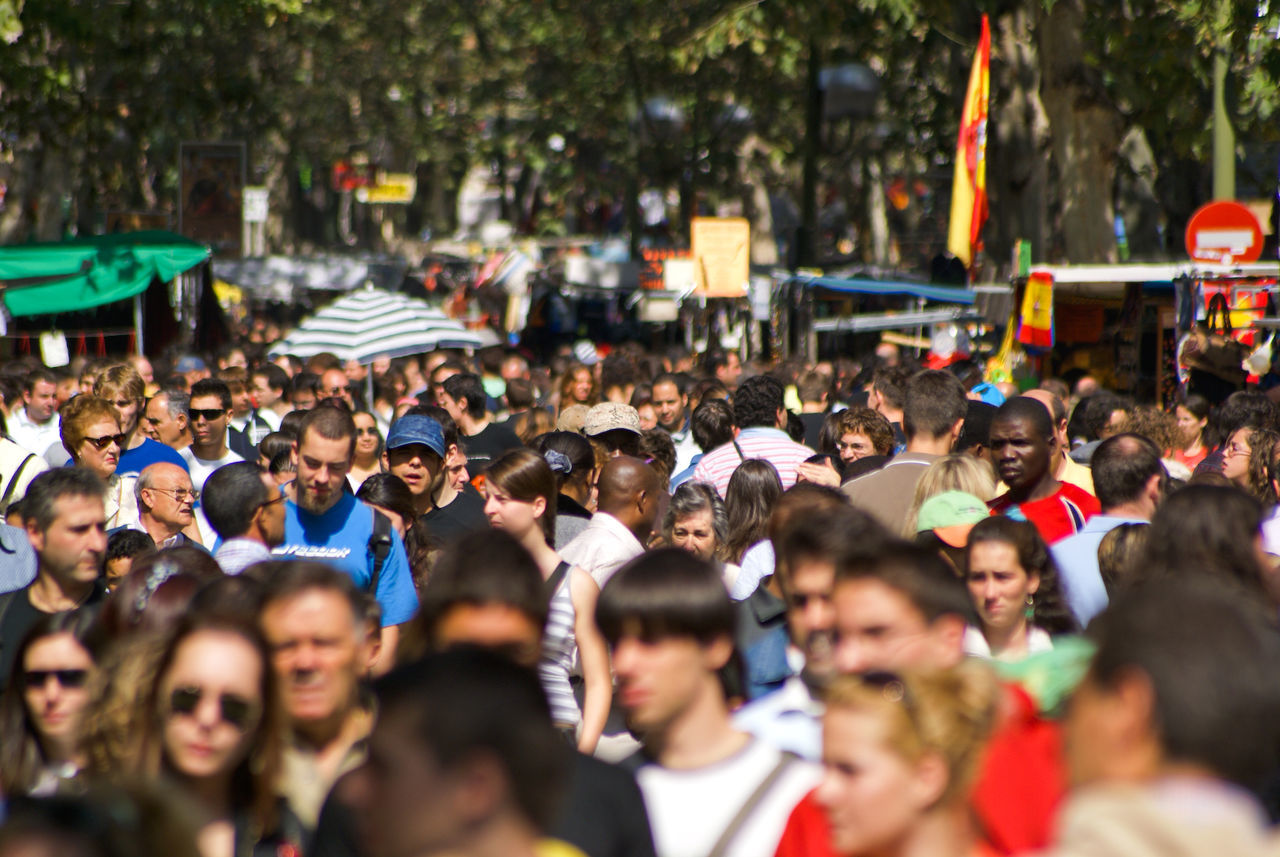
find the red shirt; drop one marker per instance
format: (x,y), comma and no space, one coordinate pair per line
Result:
(1057,516)
(1020,785)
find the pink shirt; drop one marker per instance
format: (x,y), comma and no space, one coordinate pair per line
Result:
(772,445)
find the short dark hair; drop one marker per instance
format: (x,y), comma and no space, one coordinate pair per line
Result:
(36,376)
(666,592)
(232,495)
(305,382)
(838,534)
(126,543)
(1210,657)
(328,422)
(482,567)
(213,387)
(921,575)
(891,383)
(520,393)
(977,426)
(934,402)
(1122,466)
(1031,410)
(712,424)
(1099,408)
(714,360)
(51,486)
(284,579)
(757,402)
(467,385)
(277,378)
(467,702)
(679,380)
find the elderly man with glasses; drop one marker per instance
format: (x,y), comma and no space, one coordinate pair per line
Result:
(166,506)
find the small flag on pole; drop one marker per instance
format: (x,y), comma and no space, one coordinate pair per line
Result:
(969,187)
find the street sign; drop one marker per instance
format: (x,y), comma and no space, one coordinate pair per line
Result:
(722,250)
(1225,233)
(255,205)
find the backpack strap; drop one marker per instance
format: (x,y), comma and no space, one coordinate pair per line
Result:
(749,806)
(13,481)
(552,586)
(379,547)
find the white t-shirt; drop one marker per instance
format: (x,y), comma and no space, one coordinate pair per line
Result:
(201,467)
(689,810)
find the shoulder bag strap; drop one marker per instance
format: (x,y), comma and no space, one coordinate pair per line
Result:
(379,545)
(750,804)
(552,586)
(13,482)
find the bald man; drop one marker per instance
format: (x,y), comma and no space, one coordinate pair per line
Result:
(1065,470)
(630,500)
(166,501)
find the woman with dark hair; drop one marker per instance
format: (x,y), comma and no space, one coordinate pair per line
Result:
(578,387)
(43,705)
(753,489)
(1246,460)
(1193,420)
(389,494)
(213,725)
(520,492)
(1015,589)
(367,460)
(573,461)
(1213,530)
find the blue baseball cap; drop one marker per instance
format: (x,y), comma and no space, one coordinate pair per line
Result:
(416,428)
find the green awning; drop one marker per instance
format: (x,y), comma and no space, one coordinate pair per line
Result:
(42,279)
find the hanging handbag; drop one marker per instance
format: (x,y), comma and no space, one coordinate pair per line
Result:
(1211,348)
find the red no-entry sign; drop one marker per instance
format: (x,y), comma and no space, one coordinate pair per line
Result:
(1224,233)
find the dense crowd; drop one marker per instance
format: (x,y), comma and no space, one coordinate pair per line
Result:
(631,604)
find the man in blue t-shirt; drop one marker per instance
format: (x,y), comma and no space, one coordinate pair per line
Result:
(326,523)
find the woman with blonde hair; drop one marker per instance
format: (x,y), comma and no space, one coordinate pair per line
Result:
(954,472)
(520,497)
(901,752)
(578,386)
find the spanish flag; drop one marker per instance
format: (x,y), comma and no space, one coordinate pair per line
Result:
(969,187)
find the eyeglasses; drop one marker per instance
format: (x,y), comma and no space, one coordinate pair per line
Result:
(106,440)
(34,679)
(180,494)
(1237,449)
(367,432)
(210,414)
(237,712)
(279,498)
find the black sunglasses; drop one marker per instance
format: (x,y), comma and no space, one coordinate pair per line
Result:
(235,711)
(210,414)
(67,678)
(106,440)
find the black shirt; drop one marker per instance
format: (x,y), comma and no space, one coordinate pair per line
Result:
(812,428)
(18,616)
(463,515)
(493,440)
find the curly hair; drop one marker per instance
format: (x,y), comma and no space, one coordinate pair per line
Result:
(866,421)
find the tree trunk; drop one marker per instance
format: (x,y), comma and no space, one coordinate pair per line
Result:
(877,215)
(755,201)
(1018,140)
(1085,130)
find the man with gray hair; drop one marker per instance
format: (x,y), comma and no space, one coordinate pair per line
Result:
(166,505)
(165,419)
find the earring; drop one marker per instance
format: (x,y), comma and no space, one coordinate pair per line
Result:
(1030,611)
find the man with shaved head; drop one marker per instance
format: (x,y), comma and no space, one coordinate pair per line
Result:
(630,501)
(1064,470)
(1023,449)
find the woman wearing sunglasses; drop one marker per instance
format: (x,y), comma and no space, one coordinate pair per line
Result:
(900,753)
(214,728)
(368,452)
(42,708)
(91,434)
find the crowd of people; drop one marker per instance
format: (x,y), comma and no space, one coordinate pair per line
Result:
(632,604)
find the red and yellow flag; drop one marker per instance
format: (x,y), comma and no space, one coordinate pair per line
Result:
(969,187)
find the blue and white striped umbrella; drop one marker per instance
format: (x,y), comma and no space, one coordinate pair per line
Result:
(370,323)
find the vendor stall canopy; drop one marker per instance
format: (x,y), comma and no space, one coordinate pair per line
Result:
(861,285)
(67,276)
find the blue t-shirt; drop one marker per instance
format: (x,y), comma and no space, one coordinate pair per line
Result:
(134,461)
(340,537)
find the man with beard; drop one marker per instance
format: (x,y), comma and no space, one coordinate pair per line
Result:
(671,403)
(329,524)
(1023,448)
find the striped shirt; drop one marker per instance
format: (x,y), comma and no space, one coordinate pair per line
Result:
(559,646)
(772,445)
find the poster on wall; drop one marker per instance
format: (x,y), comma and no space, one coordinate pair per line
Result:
(211,179)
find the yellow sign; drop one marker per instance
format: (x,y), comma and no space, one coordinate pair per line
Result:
(722,250)
(391,189)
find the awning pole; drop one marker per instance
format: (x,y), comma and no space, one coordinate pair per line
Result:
(137,322)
